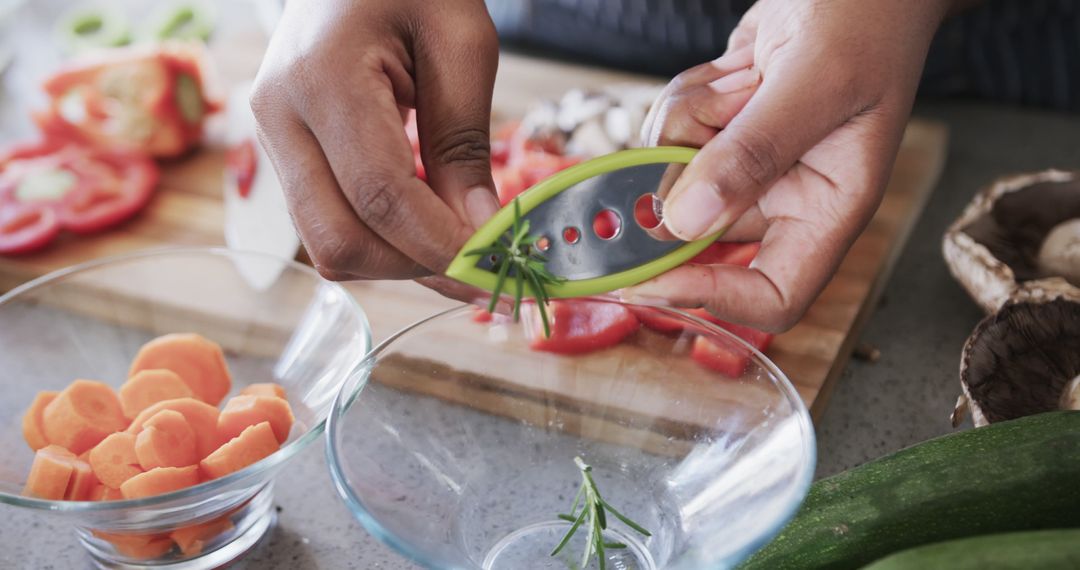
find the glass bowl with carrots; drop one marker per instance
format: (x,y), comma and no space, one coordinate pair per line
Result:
(149,399)
(627,437)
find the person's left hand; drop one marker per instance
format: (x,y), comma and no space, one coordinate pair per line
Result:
(800,122)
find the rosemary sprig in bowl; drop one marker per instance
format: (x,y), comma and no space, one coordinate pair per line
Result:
(593,516)
(516,256)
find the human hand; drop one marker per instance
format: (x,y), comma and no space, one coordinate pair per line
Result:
(329,103)
(799,124)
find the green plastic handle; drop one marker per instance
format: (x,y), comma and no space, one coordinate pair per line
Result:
(463,268)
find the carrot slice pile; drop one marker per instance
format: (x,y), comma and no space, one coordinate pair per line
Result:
(159,433)
(199,362)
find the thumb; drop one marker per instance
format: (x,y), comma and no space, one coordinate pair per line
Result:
(454,83)
(788,115)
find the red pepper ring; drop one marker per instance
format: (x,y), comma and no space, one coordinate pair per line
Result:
(114,197)
(27,227)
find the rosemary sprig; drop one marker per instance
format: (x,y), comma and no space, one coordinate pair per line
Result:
(593,516)
(516,255)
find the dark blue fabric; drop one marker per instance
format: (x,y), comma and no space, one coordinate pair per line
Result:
(1015,51)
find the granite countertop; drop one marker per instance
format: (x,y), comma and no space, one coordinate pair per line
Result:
(903,398)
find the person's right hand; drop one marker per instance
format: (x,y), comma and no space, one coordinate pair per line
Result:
(328,102)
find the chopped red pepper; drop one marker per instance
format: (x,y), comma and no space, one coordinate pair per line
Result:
(240,165)
(149,100)
(729,360)
(580,326)
(50,186)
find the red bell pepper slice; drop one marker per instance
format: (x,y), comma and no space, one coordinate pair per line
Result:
(731,361)
(150,100)
(240,166)
(26,227)
(125,186)
(51,186)
(578,327)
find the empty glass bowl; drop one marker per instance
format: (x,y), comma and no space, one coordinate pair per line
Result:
(454,442)
(277,321)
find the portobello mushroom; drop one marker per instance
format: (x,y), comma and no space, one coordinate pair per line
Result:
(1024,359)
(1021,230)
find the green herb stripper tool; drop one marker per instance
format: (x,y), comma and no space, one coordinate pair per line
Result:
(561,211)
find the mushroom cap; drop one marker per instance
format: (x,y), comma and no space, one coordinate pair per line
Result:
(1022,359)
(993,247)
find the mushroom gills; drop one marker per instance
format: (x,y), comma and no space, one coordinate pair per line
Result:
(1022,360)
(1019,222)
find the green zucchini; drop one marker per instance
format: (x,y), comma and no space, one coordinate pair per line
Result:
(1043,549)
(1022,474)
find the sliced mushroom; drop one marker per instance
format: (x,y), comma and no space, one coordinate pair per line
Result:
(1024,359)
(593,122)
(997,243)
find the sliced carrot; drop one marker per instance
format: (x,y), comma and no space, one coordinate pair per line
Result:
(199,362)
(202,418)
(240,412)
(137,546)
(114,459)
(193,538)
(253,444)
(82,482)
(82,415)
(50,473)
(32,427)
(152,549)
(160,481)
(149,387)
(166,440)
(271,389)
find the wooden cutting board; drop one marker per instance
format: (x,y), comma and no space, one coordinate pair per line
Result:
(187,211)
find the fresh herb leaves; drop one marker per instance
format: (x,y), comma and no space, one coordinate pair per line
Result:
(516,256)
(593,516)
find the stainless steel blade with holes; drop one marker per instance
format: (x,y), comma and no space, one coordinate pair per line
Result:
(576,207)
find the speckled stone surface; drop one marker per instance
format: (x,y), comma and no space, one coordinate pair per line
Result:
(877,408)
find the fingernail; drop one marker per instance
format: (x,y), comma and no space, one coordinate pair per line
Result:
(736,81)
(692,212)
(480,204)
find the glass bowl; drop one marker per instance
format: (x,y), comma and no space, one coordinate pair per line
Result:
(277,321)
(454,442)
